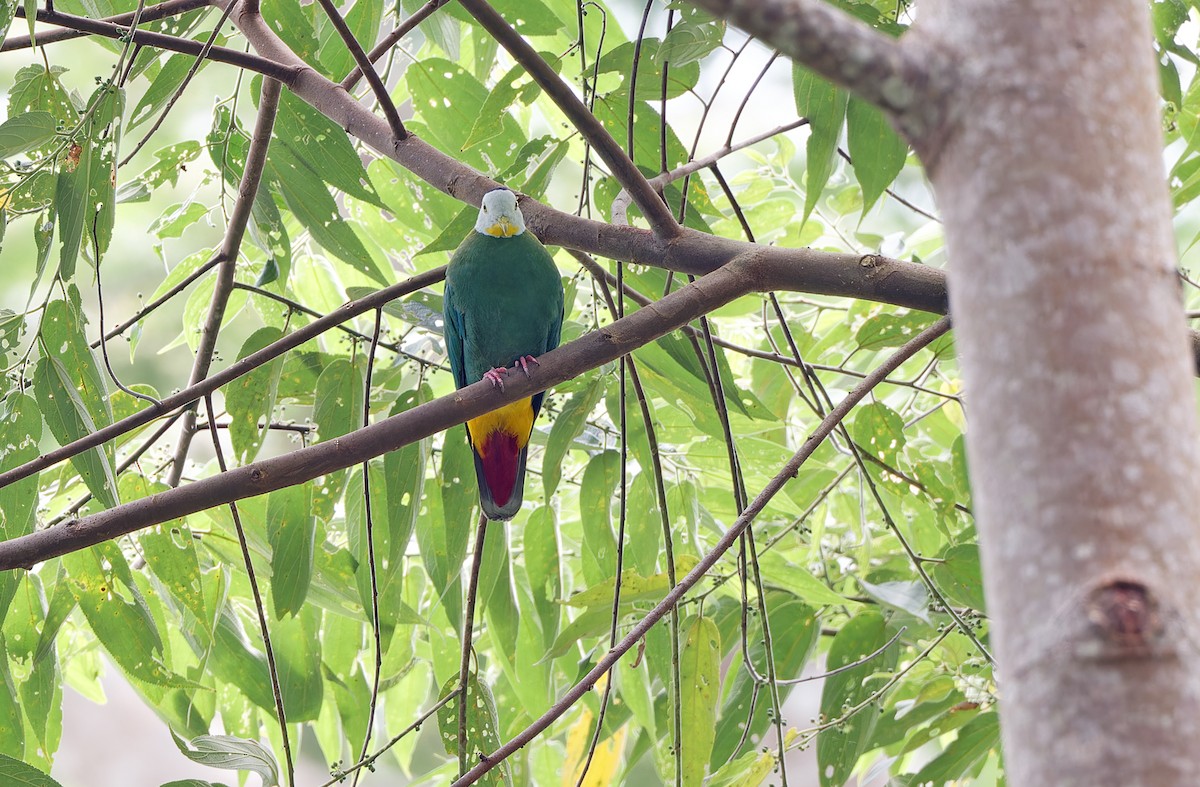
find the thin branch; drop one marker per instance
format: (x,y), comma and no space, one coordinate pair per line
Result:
(365,66)
(219,54)
(273,671)
(369,522)
(656,212)
(468,624)
(909,81)
(256,159)
(391,39)
(726,541)
(149,14)
(620,204)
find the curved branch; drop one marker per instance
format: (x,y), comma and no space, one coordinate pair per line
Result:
(739,277)
(631,178)
(909,81)
(219,54)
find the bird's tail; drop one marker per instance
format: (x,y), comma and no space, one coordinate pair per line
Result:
(500,442)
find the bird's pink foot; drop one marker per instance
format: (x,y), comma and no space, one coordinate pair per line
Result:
(496,376)
(524,361)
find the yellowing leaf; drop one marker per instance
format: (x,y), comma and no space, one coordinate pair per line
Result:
(605,761)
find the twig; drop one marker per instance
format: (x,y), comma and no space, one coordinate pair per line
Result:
(370,528)
(722,546)
(620,204)
(366,68)
(256,159)
(392,38)
(464,669)
(652,207)
(258,605)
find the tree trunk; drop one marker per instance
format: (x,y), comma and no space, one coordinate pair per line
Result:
(1082,428)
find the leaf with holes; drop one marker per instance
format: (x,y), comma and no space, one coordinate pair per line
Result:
(483,724)
(250,399)
(840,746)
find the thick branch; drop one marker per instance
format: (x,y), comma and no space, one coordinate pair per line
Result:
(909,81)
(827,425)
(149,14)
(219,54)
(631,178)
(590,351)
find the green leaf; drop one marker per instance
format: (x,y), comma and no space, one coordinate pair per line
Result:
(681,77)
(490,122)
(634,586)
(959,577)
(317,211)
(595,498)
(825,107)
(193,783)
(72,394)
(568,426)
(791,651)
(85,193)
(25,132)
(20,432)
(975,742)
(483,726)
(162,88)
(700,681)
(543,567)
(778,572)
(296,642)
(250,399)
(18,774)
(749,770)
(453,233)
(839,747)
(338,400)
(231,753)
(879,429)
(448,100)
(321,147)
(102,584)
(876,150)
(291,529)
(909,596)
(891,330)
(691,39)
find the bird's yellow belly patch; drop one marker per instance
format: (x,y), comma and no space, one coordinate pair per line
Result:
(515,419)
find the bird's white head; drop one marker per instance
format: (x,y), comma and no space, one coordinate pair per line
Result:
(499,215)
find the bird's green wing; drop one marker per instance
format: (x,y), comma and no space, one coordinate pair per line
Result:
(452,327)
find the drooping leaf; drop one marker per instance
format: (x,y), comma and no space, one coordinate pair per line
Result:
(876,150)
(250,399)
(700,679)
(825,108)
(231,753)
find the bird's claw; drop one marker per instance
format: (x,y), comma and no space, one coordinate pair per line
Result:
(524,361)
(496,377)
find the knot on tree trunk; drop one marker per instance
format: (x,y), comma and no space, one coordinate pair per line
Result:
(1125,620)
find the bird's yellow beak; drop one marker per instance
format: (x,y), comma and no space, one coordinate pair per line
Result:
(503,228)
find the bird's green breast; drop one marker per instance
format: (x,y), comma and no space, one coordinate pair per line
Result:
(509,294)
